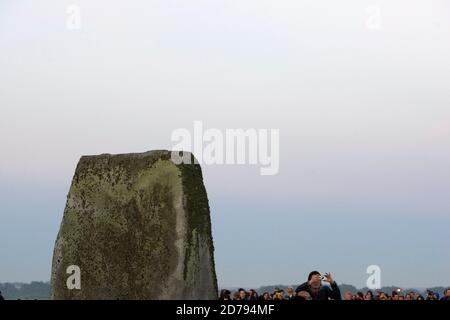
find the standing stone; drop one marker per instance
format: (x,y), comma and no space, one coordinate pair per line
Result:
(138,227)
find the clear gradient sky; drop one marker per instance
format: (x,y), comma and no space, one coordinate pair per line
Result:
(363,110)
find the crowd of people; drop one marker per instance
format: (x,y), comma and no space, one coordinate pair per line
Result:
(313,289)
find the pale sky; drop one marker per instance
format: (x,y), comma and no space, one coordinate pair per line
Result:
(360,91)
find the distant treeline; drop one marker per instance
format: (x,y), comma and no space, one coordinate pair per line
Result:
(26,291)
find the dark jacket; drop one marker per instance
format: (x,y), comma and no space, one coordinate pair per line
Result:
(324,292)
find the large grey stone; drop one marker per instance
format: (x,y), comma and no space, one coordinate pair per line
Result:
(139,227)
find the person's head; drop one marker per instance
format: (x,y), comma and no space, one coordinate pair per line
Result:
(359,296)
(420,297)
(368,295)
(290,291)
(408,296)
(242,294)
(266,296)
(279,295)
(431,295)
(348,296)
(382,296)
(224,294)
(446,293)
(315,279)
(394,295)
(304,295)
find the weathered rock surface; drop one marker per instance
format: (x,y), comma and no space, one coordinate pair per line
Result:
(139,227)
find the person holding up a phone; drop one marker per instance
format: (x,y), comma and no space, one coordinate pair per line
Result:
(317,291)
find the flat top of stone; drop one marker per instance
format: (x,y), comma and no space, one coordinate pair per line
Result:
(151,153)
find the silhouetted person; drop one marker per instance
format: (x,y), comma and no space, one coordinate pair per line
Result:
(1,297)
(225,295)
